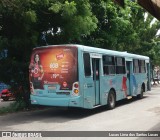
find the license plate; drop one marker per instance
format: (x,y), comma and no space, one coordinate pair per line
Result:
(3,95)
(51,88)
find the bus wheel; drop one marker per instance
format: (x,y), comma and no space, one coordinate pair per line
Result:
(111,99)
(5,99)
(140,96)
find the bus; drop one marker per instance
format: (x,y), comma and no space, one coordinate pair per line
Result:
(86,77)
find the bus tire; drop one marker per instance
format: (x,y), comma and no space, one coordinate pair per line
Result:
(140,96)
(111,100)
(5,99)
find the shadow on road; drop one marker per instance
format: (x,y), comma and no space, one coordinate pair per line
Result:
(55,114)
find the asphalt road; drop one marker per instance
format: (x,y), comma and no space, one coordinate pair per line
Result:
(129,115)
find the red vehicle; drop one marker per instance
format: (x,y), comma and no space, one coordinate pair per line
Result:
(6,94)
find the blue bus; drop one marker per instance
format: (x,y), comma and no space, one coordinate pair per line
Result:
(86,77)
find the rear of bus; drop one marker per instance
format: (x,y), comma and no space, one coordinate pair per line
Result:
(53,74)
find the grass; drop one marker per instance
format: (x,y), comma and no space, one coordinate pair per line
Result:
(20,106)
(13,107)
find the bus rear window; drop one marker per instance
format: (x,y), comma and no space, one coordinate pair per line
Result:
(54,65)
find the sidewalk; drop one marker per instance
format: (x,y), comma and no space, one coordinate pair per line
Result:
(5,103)
(156,83)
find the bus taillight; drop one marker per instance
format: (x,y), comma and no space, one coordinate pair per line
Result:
(75,88)
(76,85)
(76,91)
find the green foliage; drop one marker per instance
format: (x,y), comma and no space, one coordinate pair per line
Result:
(22,24)
(124,29)
(69,9)
(13,107)
(30,16)
(55,7)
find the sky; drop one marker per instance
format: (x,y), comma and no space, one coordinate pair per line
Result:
(152,22)
(158,33)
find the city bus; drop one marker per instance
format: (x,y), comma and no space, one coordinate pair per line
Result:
(86,77)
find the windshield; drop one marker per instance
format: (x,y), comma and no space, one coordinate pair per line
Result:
(54,65)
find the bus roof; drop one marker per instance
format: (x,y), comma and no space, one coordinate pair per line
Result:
(99,50)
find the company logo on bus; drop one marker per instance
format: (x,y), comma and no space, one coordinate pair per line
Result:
(59,56)
(65,84)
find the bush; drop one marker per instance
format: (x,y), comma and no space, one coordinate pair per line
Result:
(13,107)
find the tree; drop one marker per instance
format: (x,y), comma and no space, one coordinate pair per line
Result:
(31,23)
(124,29)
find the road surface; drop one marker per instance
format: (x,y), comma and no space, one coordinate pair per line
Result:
(131,115)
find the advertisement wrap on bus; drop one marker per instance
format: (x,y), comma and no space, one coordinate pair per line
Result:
(56,67)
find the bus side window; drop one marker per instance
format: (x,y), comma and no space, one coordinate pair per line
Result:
(87,65)
(136,66)
(108,65)
(142,66)
(120,65)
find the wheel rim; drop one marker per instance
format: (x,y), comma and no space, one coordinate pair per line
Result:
(111,99)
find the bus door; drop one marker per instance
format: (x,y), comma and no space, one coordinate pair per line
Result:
(96,79)
(91,79)
(129,68)
(148,77)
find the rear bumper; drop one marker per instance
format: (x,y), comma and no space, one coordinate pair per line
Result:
(5,96)
(63,102)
